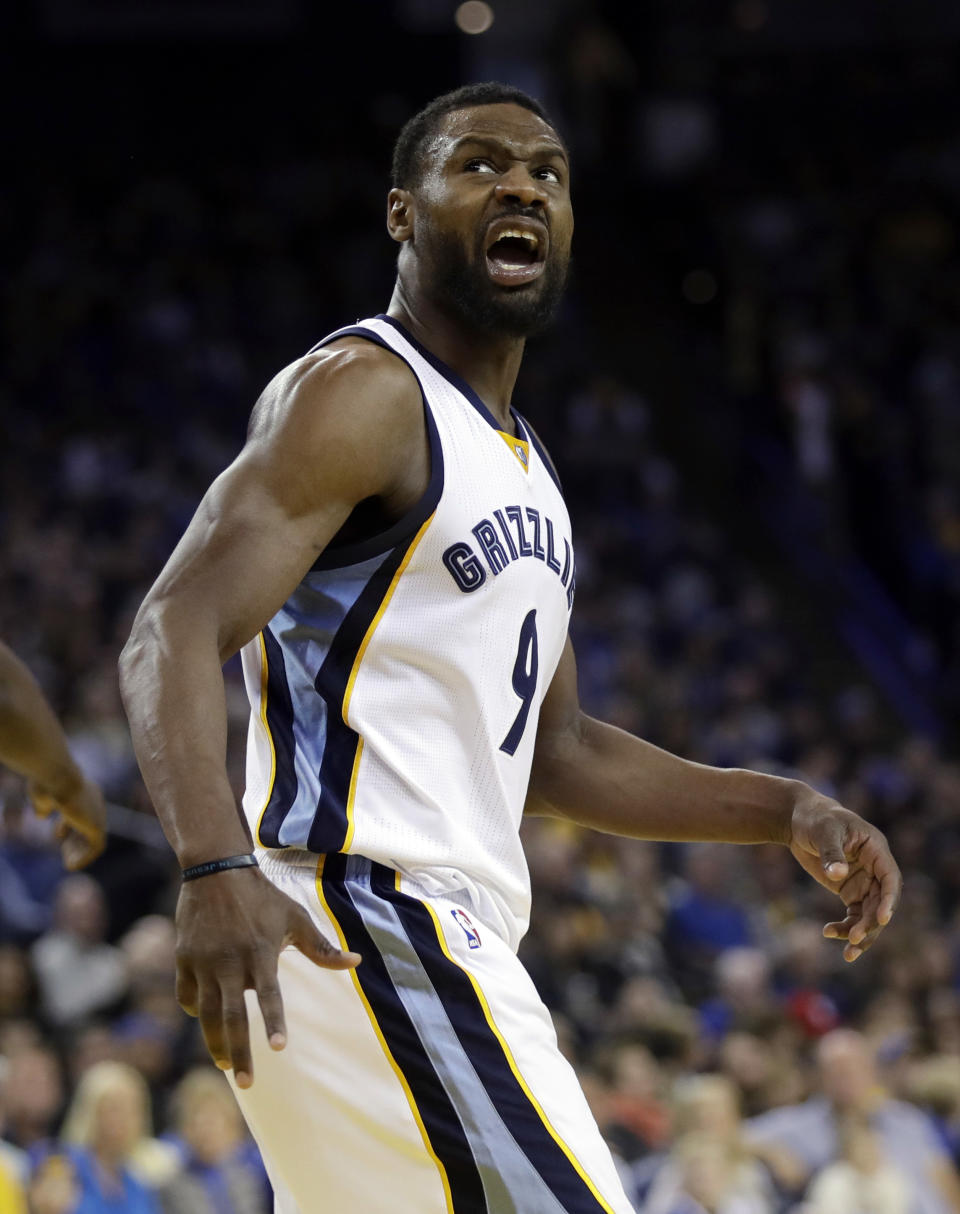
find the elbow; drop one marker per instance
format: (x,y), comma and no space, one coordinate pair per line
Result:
(135,654)
(142,654)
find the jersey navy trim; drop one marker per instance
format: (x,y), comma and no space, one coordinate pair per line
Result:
(411,522)
(279,722)
(534,439)
(448,374)
(331,826)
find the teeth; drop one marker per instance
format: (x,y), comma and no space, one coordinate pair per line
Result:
(527,237)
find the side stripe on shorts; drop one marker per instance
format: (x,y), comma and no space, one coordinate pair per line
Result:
(469,1015)
(522,1166)
(431,1105)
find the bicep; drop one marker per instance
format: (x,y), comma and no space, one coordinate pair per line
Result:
(242,554)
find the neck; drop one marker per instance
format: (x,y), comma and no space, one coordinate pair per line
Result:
(488,363)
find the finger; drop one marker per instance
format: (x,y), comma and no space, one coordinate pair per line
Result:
(857,950)
(77,849)
(853,951)
(839,929)
(237,1038)
(210,1011)
(313,944)
(271,1006)
(888,874)
(829,839)
(186,991)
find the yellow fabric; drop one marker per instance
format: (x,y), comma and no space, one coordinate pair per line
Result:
(12,1199)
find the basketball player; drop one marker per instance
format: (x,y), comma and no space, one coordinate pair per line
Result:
(392,554)
(33,744)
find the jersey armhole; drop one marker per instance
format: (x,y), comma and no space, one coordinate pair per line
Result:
(407,526)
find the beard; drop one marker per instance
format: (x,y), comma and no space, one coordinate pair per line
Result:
(464,288)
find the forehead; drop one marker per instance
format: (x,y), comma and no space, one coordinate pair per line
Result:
(517,128)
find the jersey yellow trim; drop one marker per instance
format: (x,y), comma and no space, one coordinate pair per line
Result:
(520,448)
(351,796)
(488,1016)
(264,674)
(348,693)
(448,1196)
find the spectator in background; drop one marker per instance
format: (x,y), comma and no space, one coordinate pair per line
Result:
(710,1167)
(705,917)
(13,1163)
(861,1179)
(78,972)
(106,1134)
(745,999)
(217,1172)
(17,994)
(150,1033)
(850,1088)
(34,1095)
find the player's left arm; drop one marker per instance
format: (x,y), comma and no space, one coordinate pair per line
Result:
(605,778)
(33,743)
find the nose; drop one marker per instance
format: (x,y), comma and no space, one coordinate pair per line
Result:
(517,185)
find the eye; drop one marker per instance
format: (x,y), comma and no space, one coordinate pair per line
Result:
(547,173)
(479,165)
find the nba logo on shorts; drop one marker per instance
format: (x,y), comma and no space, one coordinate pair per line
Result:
(473,936)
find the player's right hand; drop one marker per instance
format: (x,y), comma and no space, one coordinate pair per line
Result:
(231,927)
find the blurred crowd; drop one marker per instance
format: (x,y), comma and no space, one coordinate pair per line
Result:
(733,1061)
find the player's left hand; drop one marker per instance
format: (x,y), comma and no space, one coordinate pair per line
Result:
(82,829)
(852,859)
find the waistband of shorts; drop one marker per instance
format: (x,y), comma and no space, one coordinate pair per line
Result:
(281,864)
(275,861)
(280,861)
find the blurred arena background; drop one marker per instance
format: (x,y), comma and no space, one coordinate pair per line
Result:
(753,397)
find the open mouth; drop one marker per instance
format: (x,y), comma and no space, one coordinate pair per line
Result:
(515,254)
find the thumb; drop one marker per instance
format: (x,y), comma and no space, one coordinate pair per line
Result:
(314,945)
(828,839)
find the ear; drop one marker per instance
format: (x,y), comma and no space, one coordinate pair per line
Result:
(400,213)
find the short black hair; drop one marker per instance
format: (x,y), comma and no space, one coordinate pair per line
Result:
(417,132)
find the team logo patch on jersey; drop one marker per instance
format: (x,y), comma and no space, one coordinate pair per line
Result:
(473,936)
(519,446)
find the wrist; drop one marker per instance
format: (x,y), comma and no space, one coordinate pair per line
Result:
(765,804)
(222,864)
(800,796)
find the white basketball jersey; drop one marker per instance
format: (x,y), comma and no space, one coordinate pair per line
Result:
(395,696)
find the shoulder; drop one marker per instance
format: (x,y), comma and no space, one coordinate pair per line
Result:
(349,381)
(788,1120)
(906,1121)
(349,416)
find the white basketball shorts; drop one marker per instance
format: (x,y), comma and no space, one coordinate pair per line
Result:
(426,1081)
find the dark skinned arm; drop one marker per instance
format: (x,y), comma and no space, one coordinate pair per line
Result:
(605,778)
(33,743)
(330,431)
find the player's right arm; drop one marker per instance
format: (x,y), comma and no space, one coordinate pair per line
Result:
(329,432)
